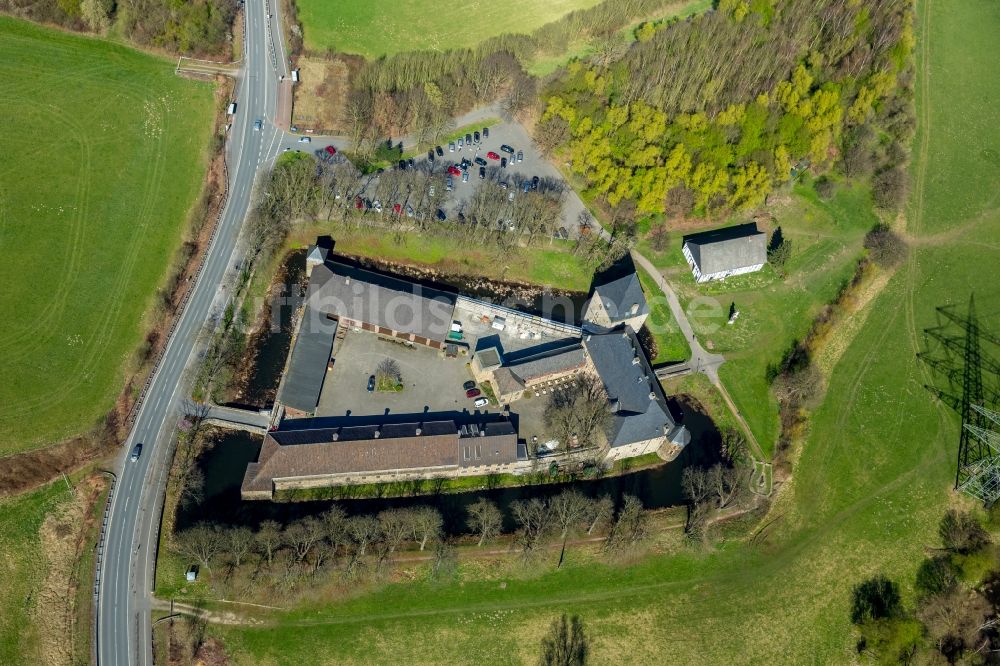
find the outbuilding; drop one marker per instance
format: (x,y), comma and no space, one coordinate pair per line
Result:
(721,253)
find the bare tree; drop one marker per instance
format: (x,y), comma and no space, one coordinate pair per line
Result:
(395,525)
(728,483)
(535,520)
(630,526)
(570,508)
(699,490)
(427,525)
(579,412)
(388,373)
(485,519)
(363,530)
(202,543)
(240,541)
(601,511)
(445,561)
(303,534)
(269,538)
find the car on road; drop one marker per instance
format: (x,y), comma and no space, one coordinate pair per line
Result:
(482,172)
(454,170)
(520,156)
(469,385)
(492,155)
(507,149)
(465,177)
(371,383)
(451,146)
(304,139)
(136,452)
(257,124)
(475,136)
(439,151)
(473,393)
(486,132)
(480,161)
(481,402)
(503,162)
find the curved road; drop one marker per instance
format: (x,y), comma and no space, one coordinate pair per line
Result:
(125,576)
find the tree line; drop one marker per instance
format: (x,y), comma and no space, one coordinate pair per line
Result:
(365,544)
(194,27)
(710,114)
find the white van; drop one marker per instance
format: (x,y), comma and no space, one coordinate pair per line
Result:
(232,109)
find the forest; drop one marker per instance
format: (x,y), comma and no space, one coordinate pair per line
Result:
(708,115)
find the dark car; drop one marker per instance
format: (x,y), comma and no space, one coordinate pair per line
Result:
(409,162)
(480,161)
(534,182)
(430,155)
(503,162)
(371,383)
(507,149)
(439,151)
(475,137)
(465,163)
(441,216)
(486,132)
(136,452)
(402,165)
(473,393)
(469,385)
(461,218)
(482,172)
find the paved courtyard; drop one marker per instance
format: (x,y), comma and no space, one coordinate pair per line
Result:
(432,382)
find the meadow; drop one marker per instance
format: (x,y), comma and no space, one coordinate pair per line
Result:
(870,482)
(102,156)
(374,28)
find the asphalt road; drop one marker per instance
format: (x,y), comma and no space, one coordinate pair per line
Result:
(125,577)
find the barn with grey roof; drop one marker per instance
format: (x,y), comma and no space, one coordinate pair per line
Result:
(721,253)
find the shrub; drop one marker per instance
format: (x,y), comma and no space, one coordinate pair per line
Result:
(824,188)
(889,188)
(875,599)
(935,575)
(885,246)
(961,532)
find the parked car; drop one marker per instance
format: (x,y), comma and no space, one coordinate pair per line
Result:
(510,196)
(430,155)
(468,139)
(465,177)
(486,132)
(451,146)
(136,452)
(449,184)
(475,137)
(304,139)
(480,161)
(507,149)
(409,162)
(440,153)
(454,170)
(440,215)
(503,185)
(377,205)
(481,402)
(503,162)
(482,172)
(358,203)
(473,393)
(492,155)
(460,143)
(402,165)
(461,218)
(409,211)
(520,156)
(527,186)
(469,385)
(257,124)
(464,164)
(371,383)
(397,208)
(534,182)
(330,150)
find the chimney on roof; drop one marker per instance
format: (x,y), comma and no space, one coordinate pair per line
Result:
(378,433)
(635,360)
(625,334)
(652,395)
(635,308)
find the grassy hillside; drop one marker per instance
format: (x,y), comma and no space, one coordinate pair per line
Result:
(101,157)
(374,28)
(870,485)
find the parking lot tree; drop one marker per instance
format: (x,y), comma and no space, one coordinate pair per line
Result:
(485,520)
(571,510)
(388,374)
(535,521)
(578,413)
(427,525)
(268,539)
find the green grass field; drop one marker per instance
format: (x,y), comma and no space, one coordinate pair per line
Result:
(868,490)
(101,157)
(374,28)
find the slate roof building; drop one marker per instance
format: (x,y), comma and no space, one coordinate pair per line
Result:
(619,301)
(533,370)
(641,420)
(718,254)
(318,457)
(302,382)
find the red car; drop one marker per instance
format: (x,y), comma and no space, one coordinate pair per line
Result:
(454,170)
(331,150)
(473,393)
(397,209)
(358,203)
(492,155)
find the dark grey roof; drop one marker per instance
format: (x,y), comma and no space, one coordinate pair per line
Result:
(364,432)
(728,249)
(382,300)
(629,380)
(489,358)
(548,363)
(307,368)
(618,297)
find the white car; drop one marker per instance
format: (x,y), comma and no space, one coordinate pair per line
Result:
(304,139)
(481,402)
(451,146)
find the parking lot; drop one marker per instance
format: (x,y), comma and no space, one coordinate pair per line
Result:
(431,381)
